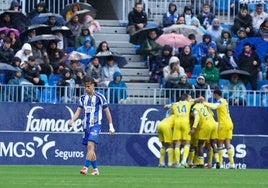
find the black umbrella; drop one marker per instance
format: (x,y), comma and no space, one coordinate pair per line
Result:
(118,59)
(81,15)
(63,29)
(39,29)
(47,37)
(5,68)
(228,73)
(83,6)
(139,36)
(18,18)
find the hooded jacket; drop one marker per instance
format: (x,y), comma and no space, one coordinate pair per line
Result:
(22,55)
(212,74)
(170,16)
(117,89)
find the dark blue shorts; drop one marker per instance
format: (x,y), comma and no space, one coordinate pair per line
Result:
(91,134)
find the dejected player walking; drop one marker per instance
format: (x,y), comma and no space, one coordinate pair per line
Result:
(92,103)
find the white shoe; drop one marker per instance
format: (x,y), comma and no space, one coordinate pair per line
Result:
(232,166)
(95,172)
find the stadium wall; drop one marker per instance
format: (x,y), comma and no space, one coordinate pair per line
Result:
(35,133)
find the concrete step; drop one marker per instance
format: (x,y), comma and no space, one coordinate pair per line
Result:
(109,22)
(138,78)
(116,44)
(130,51)
(138,85)
(112,30)
(132,58)
(111,37)
(150,100)
(134,72)
(134,64)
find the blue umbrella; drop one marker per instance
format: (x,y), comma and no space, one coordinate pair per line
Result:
(260,45)
(43,17)
(5,68)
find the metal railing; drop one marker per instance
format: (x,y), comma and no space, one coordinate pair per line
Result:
(153,96)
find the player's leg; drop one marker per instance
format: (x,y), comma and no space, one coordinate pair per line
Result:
(220,152)
(89,156)
(230,153)
(170,155)
(177,152)
(186,149)
(209,155)
(215,152)
(200,153)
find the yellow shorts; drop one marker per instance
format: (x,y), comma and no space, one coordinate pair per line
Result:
(181,130)
(164,129)
(225,132)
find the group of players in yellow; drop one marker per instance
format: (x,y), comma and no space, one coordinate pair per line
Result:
(190,126)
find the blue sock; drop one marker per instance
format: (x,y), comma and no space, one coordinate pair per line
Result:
(87,163)
(94,164)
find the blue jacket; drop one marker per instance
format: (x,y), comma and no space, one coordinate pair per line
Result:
(89,51)
(117,89)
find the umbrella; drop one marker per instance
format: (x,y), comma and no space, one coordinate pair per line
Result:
(119,59)
(83,6)
(43,17)
(228,73)
(81,15)
(260,45)
(18,18)
(16,32)
(4,68)
(74,55)
(185,30)
(39,30)
(139,36)
(63,29)
(173,40)
(47,37)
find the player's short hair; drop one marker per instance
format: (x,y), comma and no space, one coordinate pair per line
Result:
(218,92)
(88,79)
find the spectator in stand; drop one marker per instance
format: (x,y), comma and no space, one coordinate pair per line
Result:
(79,40)
(79,82)
(15,92)
(211,74)
(235,91)
(212,53)
(55,56)
(62,44)
(15,40)
(161,60)
(190,19)
(16,61)
(215,29)
(93,25)
(258,16)
(201,88)
(183,87)
(249,61)
(32,72)
(88,49)
(118,89)
(30,34)
(67,86)
(6,52)
(241,34)
(2,36)
(187,60)
(41,56)
(6,21)
(94,70)
(243,19)
(180,20)
(225,41)
(69,14)
(74,65)
(206,17)
(171,75)
(75,26)
(14,6)
(109,69)
(171,16)
(39,8)
(228,60)
(194,47)
(24,53)
(51,21)
(150,49)
(103,47)
(263,27)
(203,46)
(137,19)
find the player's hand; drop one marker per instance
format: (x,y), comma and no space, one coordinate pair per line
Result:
(192,131)
(70,124)
(111,129)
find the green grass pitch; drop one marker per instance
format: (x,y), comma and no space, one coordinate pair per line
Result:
(129,177)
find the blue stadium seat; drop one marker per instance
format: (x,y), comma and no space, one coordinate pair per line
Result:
(49,95)
(3,78)
(196,71)
(44,78)
(222,82)
(53,79)
(261,83)
(192,80)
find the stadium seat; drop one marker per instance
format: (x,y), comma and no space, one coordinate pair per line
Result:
(222,82)
(3,78)
(192,80)
(49,95)
(196,71)
(44,78)
(261,83)
(53,79)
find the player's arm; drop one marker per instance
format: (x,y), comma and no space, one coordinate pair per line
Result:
(110,121)
(213,106)
(196,121)
(75,116)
